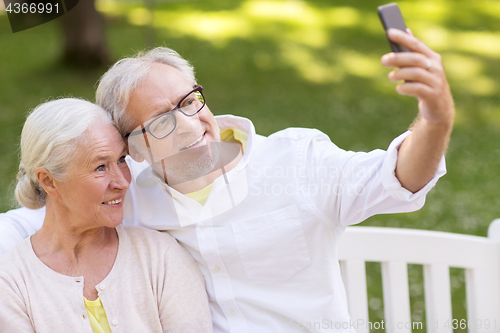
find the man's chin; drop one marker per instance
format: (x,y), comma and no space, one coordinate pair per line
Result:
(194,163)
(186,166)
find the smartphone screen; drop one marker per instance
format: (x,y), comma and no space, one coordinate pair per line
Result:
(391,17)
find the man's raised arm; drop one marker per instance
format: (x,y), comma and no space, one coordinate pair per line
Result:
(18,224)
(422,71)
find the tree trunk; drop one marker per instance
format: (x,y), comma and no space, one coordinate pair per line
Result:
(83,36)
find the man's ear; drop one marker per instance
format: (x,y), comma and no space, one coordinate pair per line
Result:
(47,181)
(134,153)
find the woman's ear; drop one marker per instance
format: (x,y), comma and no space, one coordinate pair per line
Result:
(47,181)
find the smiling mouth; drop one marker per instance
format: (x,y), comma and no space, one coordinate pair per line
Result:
(113,202)
(194,143)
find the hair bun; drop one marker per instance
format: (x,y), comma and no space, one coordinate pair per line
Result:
(28,192)
(22,171)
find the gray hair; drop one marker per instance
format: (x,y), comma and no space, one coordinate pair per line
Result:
(116,85)
(49,140)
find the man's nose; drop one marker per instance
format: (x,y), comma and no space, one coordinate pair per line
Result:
(187,124)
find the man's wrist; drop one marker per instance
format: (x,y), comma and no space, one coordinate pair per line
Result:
(444,125)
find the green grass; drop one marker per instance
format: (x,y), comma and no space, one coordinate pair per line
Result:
(305,64)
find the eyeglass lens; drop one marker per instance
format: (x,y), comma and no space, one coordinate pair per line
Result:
(189,106)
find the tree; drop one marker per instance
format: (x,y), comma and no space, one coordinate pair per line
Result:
(83,37)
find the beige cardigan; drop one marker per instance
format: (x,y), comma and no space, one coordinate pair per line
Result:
(154,286)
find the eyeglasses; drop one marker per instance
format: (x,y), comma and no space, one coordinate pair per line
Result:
(164,124)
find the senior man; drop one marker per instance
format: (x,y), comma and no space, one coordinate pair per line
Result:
(262,215)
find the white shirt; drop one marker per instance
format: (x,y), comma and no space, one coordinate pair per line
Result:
(268,250)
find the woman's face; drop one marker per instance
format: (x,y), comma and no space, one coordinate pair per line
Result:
(92,195)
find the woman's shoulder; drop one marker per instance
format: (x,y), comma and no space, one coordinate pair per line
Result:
(151,246)
(18,251)
(145,236)
(15,262)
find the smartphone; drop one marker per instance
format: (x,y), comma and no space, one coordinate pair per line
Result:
(391,17)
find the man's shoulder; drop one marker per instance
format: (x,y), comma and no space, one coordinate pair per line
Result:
(292,133)
(291,146)
(293,138)
(298,133)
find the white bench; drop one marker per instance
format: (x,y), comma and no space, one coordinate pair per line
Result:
(437,252)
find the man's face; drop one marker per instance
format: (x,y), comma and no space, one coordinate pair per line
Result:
(184,154)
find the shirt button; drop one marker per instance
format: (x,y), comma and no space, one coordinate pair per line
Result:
(102,287)
(217,268)
(78,280)
(232,312)
(115,322)
(84,316)
(202,228)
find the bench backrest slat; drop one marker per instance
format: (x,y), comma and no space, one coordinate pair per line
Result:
(354,277)
(437,252)
(437,298)
(396,296)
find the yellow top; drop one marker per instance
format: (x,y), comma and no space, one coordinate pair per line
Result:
(234,135)
(97,316)
(201,196)
(226,135)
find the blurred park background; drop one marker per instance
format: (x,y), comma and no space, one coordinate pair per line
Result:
(314,64)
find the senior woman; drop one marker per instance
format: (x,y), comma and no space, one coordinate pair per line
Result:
(82,271)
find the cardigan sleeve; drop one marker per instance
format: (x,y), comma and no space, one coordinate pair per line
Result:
(183,303)
(14,316)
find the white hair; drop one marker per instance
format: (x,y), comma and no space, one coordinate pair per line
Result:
(116,85)
(49,140)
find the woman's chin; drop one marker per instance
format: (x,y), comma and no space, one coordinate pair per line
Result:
(112,221)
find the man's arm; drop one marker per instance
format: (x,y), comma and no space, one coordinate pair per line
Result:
(423,73)
(18,224)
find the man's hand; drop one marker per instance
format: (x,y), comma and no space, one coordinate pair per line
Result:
(422,71)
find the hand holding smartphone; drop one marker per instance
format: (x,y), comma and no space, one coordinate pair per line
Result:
(391,17)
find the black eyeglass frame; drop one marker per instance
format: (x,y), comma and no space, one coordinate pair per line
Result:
(178,107)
